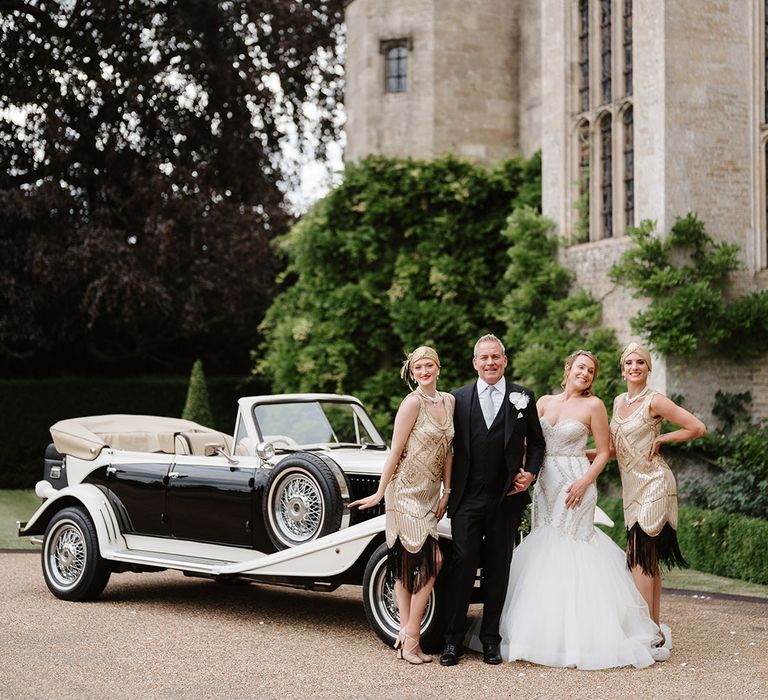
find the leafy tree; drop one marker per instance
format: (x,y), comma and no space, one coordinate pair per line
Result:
(142,147)
(547,320)
(401,254)
(197,407)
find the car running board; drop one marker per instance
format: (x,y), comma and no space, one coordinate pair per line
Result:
(169,561)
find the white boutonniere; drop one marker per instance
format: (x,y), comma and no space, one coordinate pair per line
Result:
(519,400)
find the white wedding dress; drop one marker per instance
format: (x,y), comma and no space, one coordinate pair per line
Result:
(571,601)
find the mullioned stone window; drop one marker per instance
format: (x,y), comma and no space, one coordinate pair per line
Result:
(602,154)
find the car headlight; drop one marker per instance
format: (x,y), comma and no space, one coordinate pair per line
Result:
(265,450)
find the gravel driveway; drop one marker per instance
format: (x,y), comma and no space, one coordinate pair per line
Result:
(168,636)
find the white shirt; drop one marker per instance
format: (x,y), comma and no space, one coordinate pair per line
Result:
(497,396)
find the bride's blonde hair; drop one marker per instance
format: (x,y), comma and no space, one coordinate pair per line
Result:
(569,363)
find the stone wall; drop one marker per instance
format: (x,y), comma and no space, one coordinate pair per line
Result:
(462,91)
(395,124)
(530,43)
(476,61)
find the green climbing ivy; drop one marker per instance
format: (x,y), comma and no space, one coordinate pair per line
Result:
(686,276)
(546,319)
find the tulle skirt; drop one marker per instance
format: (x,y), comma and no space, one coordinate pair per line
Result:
(572,603)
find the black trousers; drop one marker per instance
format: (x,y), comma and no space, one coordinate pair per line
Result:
(484,534)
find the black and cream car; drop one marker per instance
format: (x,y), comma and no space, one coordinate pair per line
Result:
(145,493)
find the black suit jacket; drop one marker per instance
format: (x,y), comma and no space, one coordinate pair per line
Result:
(523,440)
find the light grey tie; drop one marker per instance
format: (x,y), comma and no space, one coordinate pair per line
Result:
(487,405)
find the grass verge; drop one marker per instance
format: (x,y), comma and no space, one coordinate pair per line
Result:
(16,504)
(692,580)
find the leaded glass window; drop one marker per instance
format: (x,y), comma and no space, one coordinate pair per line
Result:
(397,69)
(629,169)
(583,55)
(582,223)
(627,47)
(606,56)
(606,177)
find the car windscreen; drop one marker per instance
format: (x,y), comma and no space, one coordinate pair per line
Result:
(295,424)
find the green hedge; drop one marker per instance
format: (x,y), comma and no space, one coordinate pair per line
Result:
(28,407)
(712,541)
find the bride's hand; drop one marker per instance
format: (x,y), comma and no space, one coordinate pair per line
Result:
(576,493)
(367,502)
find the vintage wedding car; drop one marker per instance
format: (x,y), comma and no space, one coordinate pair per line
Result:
(145,493)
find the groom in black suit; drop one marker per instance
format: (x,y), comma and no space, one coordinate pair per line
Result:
(498,448)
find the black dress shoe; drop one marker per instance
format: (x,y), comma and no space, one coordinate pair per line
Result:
(451,654)
(491,654)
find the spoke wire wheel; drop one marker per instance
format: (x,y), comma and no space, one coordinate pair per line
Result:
(297,507)
(66,555)
(380,602)
(73,568)
(303,499)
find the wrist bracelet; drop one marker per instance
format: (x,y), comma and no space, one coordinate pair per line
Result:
(446,490)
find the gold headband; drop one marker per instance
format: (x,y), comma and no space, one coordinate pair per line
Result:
(412,358)
(639,350)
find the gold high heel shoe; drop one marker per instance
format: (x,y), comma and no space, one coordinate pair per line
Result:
(411,655)
(399,644)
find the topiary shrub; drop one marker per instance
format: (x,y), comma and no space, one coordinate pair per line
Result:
(197,407)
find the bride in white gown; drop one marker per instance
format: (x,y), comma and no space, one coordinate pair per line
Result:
(571,601)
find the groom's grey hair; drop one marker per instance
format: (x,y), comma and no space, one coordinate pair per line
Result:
(483,339)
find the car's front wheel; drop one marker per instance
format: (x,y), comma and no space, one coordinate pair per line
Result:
(72,566)
(381,606)
(303,500)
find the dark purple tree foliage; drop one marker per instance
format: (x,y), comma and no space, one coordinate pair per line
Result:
(141,164)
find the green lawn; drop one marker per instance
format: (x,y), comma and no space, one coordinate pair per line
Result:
(19,505)
(16,505)
(691,580)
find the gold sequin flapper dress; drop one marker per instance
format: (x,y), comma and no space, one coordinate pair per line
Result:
(648,489)
(412,496)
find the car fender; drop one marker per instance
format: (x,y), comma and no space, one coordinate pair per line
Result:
(92,498)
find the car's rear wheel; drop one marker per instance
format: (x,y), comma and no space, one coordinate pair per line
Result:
(381,606)
(305,498)
(72,566)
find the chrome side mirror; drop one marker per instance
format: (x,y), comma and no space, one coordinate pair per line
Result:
(213,448)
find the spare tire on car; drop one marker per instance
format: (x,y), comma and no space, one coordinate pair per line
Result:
(305,497)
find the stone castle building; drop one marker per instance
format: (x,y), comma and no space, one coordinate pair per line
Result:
(641,110)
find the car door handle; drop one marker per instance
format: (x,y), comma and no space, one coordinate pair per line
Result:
(111,470)
(176,475)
